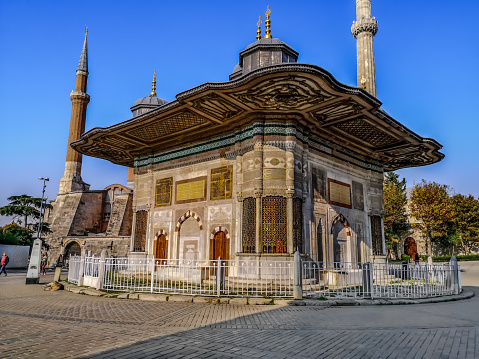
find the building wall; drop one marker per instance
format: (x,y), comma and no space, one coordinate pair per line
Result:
(261,166)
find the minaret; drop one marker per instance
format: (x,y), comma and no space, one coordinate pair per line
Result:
(71,180)
(363,30)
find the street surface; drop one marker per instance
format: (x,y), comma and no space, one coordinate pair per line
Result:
(61,324)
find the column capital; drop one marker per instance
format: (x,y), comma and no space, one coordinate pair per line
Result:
(364,25)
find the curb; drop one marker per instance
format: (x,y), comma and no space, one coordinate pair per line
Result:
(264,301)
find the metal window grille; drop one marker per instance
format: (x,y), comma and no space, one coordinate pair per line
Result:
(274,225)
(377,236)
(297,225)
(140,231)
(249,225)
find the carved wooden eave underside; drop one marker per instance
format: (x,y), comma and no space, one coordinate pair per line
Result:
(341,115)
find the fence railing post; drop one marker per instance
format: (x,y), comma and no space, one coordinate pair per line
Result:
(219,276)
(101,270)
(297,277)
(152,277)
(367,280)
(455,275)
(82,268)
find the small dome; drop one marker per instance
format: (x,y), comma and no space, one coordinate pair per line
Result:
(237,68)
(150,100)
(272,41)
(263,53)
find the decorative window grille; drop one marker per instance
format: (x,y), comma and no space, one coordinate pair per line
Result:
(377,236)
(297,225)
(319,239)
(140,231)
(249,225)
(274,225)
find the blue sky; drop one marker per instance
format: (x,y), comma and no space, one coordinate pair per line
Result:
(426,67)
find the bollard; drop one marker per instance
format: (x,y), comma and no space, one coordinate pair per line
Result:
(220,275)
(367,280)
(297,277)
(455,275)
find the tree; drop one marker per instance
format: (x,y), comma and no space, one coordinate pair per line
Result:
(8,238)
(23,206)
(23,235)
(395,217)
(430,204)
(466,220)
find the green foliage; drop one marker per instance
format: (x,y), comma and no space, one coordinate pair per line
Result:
(22,206)
(405,257)
(8,239)
(395,217)
(23,235)
(430,205)
(463,258)
(466,220)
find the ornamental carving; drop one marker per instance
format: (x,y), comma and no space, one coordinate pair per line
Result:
(163,192)
(216,106)
(367,133)
(415,157)
(287,92)
(364,25)
(221,183)
(336,111)
(101,150)
(176,123)
(119,142)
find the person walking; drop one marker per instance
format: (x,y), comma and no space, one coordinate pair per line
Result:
(3,263)
(44,263)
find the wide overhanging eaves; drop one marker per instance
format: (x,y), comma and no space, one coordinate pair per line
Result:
(344,116)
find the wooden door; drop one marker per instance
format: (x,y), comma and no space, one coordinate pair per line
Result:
(220,249)
(161,249)
(410,247)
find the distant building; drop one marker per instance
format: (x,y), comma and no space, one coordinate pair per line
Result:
(280,158)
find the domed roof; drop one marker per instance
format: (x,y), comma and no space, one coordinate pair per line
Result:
(237,68)
(271,41)
(150,100)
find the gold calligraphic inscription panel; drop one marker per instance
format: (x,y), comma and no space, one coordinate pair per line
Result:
(163,192)
(339,193)
(274,173)
(193,190)
(221,183)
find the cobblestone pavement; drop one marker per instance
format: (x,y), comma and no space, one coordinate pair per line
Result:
(39,324)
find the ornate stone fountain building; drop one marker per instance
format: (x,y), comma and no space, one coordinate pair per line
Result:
(280,158)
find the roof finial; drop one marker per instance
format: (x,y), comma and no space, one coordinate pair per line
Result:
(258,33)
(86,31)
(153,87)
(268,25)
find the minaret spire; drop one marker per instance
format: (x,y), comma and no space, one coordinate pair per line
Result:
(71,180)
(83,63)
(363,30)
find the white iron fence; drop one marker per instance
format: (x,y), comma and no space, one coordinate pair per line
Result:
(275,278)
(379,280)
(210,278)
(74,269)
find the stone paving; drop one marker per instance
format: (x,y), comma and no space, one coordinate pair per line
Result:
(61,324)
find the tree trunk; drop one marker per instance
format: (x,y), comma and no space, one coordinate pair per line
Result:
(25,222)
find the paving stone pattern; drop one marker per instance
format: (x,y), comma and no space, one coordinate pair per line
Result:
(61,324)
